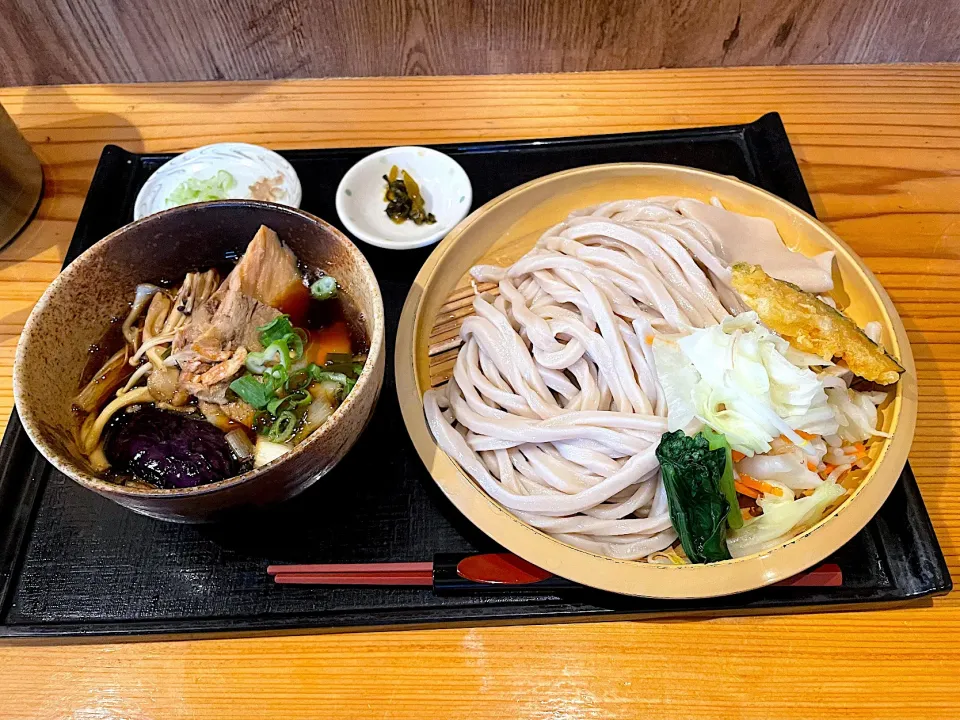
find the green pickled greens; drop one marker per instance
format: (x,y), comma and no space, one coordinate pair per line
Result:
(698,507)
(716,440)
(194,190)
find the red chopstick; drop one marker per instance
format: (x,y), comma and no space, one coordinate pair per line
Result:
(331,579)
(411,573)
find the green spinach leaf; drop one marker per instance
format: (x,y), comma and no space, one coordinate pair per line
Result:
(716,440)
(698,507)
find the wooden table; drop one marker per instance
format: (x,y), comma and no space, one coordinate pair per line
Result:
(880,152)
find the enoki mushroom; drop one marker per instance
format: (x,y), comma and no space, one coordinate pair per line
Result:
(147,337)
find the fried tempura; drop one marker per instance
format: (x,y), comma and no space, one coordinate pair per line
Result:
(809,324)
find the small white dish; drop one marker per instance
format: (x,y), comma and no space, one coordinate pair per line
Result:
(444,185)
(258,174)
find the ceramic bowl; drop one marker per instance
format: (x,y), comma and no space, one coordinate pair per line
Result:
(76,309)
(503,230)
(258,174)
(443,183)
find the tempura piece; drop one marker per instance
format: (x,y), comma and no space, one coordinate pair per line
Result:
(809,324)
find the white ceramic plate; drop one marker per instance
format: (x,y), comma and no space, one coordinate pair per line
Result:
(259,174)
(443,183)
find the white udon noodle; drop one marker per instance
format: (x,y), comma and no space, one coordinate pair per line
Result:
(554,407)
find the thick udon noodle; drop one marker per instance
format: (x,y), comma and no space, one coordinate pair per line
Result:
(554,407)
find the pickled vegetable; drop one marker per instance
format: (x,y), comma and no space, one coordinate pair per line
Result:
(404,201)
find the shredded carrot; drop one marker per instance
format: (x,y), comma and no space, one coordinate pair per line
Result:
(828,468)
(737,455)
(649,340)
(786,439)
(811,466)
(744,490)
(760,486)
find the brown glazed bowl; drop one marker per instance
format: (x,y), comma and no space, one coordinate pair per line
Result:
(76,309)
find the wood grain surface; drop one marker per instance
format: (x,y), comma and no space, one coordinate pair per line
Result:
(880,151)
(60,41)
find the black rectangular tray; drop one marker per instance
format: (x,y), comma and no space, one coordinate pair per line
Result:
(75,564)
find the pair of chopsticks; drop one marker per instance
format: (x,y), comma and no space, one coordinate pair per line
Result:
(448,573)
(473,572)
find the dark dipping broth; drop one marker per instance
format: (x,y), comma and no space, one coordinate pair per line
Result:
(187,441)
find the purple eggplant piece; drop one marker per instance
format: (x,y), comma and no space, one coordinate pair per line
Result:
(170,450)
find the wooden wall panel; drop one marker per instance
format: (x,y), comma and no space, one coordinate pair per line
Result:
(67,41)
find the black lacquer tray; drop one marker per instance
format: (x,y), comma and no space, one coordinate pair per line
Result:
(75,564)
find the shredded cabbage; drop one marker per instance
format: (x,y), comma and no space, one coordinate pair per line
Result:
(738,378)
(677,379)
(194,190)
(788,468)
(782,518)
(855,413)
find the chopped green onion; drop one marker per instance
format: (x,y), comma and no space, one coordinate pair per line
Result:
(256,363)
(253,391)
(194,190)
(276,329)
(279,375)
(262,422)
(277,391)
(275,404)
(325,288)
(301,398)
(283,343)
(296,346)
(292,400)
(283,427)
(299,380)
